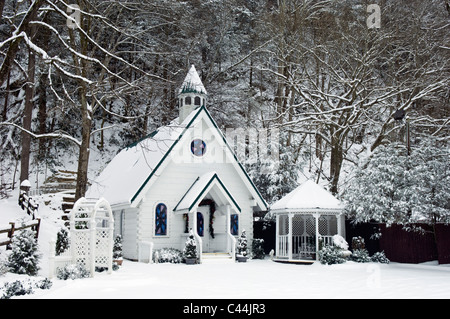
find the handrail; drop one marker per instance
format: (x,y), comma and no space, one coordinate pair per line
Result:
(231,239)
(232,242)
(197,237)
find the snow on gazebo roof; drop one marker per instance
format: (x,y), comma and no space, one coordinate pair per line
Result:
(306,198)
(192,83)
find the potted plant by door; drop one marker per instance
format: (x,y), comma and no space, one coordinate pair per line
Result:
(190,250)
(242,248)
(117,250)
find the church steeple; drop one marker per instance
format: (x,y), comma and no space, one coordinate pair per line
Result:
(191,94)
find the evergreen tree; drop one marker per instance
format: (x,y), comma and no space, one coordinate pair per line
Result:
(190,249)
(117,248)
(24,257)
(242,244)
(62,241)
(397,188)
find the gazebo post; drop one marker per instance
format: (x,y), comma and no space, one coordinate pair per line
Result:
(338,224)
(290,236)
(316,217)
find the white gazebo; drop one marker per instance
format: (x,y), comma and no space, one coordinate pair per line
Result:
(307,217)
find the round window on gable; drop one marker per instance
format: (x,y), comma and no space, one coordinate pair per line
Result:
(198,147)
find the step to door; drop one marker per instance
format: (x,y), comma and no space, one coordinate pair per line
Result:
(216,257)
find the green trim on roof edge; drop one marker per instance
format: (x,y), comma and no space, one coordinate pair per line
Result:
(176,142)
(215,176)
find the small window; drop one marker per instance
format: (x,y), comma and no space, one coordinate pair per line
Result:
(198,147)
(188,100)
(161,220)
(234,224)
(181,102)
(197,100)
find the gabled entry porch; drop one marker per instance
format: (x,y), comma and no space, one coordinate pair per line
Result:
(210,211)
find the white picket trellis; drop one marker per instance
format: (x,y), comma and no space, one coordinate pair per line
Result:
(91,237)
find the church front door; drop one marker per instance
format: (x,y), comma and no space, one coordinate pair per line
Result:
(203,227)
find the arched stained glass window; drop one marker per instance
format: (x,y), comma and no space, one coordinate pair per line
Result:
(234,224)
(198,147)
(200,224)
(161,220)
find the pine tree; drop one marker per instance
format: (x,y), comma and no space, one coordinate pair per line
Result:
(190,249)
(117,248)
(242,244)
(25,257)
(62,241)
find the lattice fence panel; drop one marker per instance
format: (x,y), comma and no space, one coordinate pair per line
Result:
(102,247)
(80,239)
(298,225)
(333,229)
(328,225)
(283,225)
(310,226)
(323,225)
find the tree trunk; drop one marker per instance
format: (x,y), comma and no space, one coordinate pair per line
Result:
(335,164)
(83,158)
(27,114)
(14,45)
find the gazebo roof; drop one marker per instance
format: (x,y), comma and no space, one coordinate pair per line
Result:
(306,198)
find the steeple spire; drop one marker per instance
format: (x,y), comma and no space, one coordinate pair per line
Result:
(191,95)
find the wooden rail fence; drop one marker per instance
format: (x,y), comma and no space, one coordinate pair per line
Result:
(35,225)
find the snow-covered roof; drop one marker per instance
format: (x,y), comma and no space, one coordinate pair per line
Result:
(192,83)
(307,197)
(130,168)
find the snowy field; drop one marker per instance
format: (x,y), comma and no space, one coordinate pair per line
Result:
(255,279)
(263,279)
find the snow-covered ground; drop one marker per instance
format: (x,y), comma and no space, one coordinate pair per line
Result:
(255,279)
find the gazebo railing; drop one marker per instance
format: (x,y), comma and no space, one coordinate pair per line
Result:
(283,250)
(303,246)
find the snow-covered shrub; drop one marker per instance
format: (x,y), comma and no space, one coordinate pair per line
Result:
(72,271)
(258,248)
(358,243)
(44,284)
(3,268)
(241,246)
(62,241)
(360,253)
(380,257)
(168,255)
(15,288)
(360,256)
(340,242)
(20,288)
(24,257)
(331,254)
(336,253)
(190,248)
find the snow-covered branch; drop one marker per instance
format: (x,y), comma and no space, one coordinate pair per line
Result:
(46,135)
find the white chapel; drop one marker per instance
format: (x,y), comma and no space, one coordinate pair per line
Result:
(182,177)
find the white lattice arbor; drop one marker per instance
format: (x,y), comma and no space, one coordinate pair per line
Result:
(91,237)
